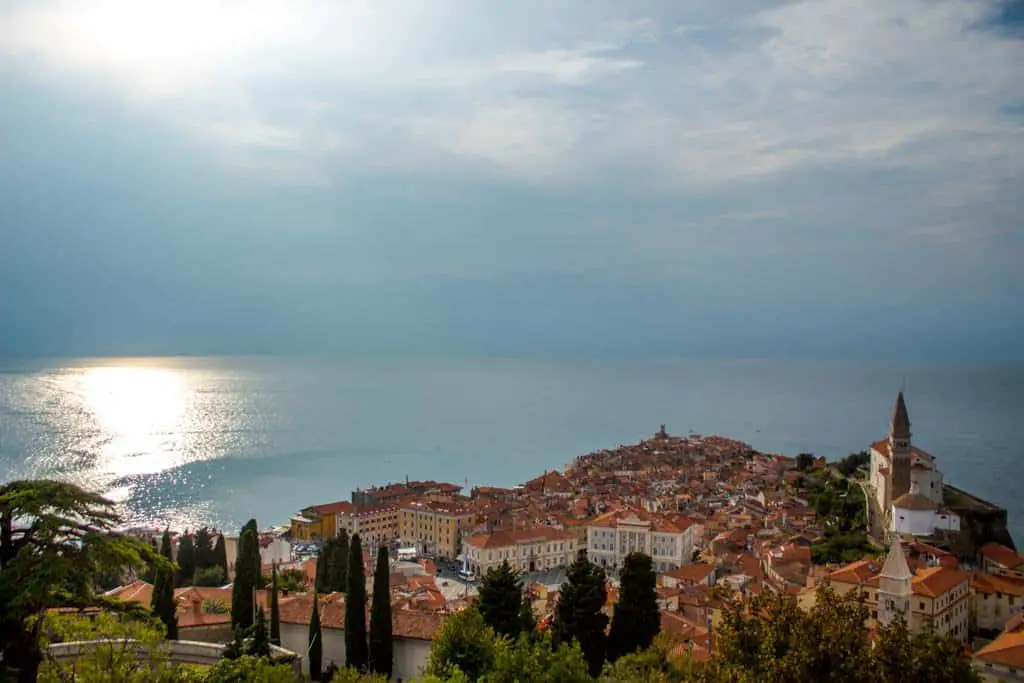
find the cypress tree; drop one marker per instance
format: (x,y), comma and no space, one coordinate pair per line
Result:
(186,560)
(260,644)
(356,652)
(337,570)
(320,581)
(163,592)
(315,649)
(275,613)
(247,572)
(501,600)
(220,556)
(203,548)
(150,575)
(381,660)
(578,615)
(637,620)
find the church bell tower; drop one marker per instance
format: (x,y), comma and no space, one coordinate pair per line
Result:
(899,448)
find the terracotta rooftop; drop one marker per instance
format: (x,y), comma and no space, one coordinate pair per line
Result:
(695,573)
(935,581)
(995,583)
(915,501)
(856,572)
(501,539)
(1000,554)
(1006,650)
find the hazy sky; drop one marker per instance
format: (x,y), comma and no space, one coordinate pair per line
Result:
(831,178)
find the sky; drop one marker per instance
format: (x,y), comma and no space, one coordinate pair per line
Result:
(830,178)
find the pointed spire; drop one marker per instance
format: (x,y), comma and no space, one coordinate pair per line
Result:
(900,427)
(896,566)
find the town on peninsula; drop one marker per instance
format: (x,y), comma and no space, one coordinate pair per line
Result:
(717,521)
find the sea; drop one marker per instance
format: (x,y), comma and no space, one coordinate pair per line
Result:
(213,441)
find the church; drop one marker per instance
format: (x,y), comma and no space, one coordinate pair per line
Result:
(907,482)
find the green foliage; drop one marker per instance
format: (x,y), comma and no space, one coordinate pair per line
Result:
(465,644)
(537,659)
(315,648)
(849,465)
(843,548)
(501,601)
(773,640)
(248,669)
(142,660)
(290,580)
(203,549)
(347,675)
(579,616)
(653,665)
(337,563)
(260,644)
(55,539)
(357,655)
(215,606)
(381,657)
(164,605)
(636,620)
(186,559)
(275,610)
(220,556)
(804,461)
(247,570)
(212,576)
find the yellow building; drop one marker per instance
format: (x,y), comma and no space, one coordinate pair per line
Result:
(318,521)
(434,526)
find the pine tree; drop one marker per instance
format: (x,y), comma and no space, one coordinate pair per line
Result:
(356,651)
(501,600)
(163,591)
(275,613)
(247,572)
(220,556)
(186,560)
(381,659)
(315,649)
(578,615)
(637,620)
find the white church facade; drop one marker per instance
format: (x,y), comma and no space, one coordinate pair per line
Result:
(907,482)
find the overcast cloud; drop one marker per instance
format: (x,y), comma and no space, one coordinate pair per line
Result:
(831,178)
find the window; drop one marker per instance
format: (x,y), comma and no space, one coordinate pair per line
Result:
(922,606)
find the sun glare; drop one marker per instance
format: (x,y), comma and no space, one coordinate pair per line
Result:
(139,411)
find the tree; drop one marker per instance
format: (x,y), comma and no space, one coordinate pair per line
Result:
(356,650)
(164,604)
(247,570)
(204,549)
(465,644)
(901,656)
(636,620)
(260,644)
(381,660)
(528,659)
(186,559)
(275,610)
(55,538)
(501,601)
(248,668)
(220,556)
(316,643)
(113,655)
(337,567)
(320,580)
(804,461)
(578,615)
(211,576)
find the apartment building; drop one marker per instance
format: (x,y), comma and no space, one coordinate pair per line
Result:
(434,526)
(375,524)
(317,521)
(527,550)
(995,598)
(613,535)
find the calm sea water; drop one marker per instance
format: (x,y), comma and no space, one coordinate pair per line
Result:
(191,441)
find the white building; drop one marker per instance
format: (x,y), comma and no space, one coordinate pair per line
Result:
(918,515)
(614,535)
(528,550)
(907,483)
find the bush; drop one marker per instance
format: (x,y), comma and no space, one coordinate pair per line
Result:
(212,577)
(248,669)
